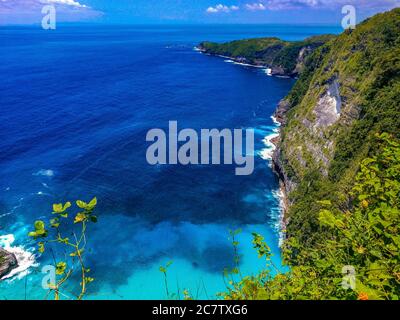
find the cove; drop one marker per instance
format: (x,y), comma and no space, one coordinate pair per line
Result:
(77,129)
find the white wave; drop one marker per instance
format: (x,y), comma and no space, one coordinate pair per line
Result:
(268,71)
(221,56)
(276,122)
(26,259)
(41,193)
(247,64)
(279,222)
(268,140)
(43,172)
(266,154)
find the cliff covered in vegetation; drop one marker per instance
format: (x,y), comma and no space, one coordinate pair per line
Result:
(338,157)
(283,57)
(349,91)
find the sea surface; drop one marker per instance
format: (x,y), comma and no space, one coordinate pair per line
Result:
(75,106)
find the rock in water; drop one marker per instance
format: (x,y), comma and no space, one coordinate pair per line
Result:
(8,262)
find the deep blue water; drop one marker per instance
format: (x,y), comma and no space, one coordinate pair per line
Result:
(75,107)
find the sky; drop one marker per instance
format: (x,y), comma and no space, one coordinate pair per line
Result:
(191,11)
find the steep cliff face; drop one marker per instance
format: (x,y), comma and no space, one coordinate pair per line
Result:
(349,90)
(284,58)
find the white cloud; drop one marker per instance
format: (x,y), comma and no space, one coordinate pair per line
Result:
(297,4)
(71,3)
(222,8)
(34,5)
(256,7)
(30,11)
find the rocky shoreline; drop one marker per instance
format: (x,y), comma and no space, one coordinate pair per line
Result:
(8,262)
(273,70)
(286,184)
(281,58)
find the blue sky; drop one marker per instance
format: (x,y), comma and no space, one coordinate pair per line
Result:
(191,11)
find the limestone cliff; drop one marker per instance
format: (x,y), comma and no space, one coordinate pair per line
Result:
(284,58)
(348,91)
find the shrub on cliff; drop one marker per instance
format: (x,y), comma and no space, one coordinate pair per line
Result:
(74,247)
(358,255)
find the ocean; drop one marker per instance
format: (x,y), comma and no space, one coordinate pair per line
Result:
(75,106)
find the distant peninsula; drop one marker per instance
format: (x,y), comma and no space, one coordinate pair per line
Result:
(283,58)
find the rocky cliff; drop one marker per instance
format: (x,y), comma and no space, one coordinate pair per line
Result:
(284,58)
(8,262)
(348,91)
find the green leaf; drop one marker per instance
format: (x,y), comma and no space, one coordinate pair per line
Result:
(41,247)
(40,230)
(89,279)
(81,204)
(60,268)
(66,206)
(325,202)
(55,223)
(327,218)
(39,225)
(80,217)
(58,207)
(92,203)
(63,215)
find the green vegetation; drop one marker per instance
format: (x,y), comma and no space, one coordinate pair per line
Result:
(74,248)
(163,270)
(366,65)
(271,52)
(364,239)
(343,178)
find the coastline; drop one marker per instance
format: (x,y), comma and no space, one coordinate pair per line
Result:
(272,143)
(269,70)
(281,194)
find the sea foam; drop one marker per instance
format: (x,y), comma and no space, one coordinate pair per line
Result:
(43,172)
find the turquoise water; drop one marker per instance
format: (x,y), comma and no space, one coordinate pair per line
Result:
(76,106)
